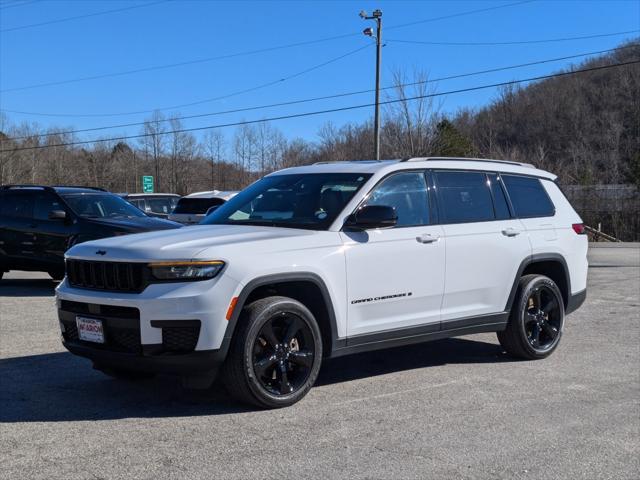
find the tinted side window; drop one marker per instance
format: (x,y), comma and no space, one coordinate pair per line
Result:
(499,199)
(407,193)
(45,203)
(17,204)
(528,197)
(464,197)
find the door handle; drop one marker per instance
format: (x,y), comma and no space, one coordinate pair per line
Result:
(510,232)
(427,238)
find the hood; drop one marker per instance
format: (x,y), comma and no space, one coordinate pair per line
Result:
(136,224)
(185,243)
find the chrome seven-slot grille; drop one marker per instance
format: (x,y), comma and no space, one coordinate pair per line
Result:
(111,276)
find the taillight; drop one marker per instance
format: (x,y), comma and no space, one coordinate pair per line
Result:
(579,228)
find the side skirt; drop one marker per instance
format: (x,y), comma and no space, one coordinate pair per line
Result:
(425,333)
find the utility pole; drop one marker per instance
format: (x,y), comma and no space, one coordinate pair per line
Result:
(377,17)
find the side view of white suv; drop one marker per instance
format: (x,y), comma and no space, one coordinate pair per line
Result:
(327,260)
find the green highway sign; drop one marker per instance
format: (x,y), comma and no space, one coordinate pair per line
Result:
(147,184)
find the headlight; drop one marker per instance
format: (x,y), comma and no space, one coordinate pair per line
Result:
(199,270)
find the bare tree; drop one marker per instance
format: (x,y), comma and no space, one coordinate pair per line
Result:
(214,147)
(154,143)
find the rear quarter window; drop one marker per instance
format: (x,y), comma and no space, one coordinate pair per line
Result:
(528,197)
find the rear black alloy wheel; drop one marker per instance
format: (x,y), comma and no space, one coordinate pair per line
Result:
(275,354)
(536,320)
(283,354)
(543,320)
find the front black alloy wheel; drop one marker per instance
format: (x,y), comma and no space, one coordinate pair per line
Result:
(536,320)
(275,354)
(283,354)
(56,275)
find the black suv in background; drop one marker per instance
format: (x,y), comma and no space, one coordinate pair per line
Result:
(38,224)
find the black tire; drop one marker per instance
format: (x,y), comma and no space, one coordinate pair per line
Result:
(275,354)
(536,320)
(57,275)
(123,374)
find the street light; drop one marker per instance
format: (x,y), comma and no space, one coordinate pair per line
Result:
(377,17)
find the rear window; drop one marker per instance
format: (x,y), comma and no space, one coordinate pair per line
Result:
(161,205)
(528,197)
(197,205)
(464,197)
(17,204)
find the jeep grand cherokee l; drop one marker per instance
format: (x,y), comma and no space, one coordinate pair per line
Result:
(331,259)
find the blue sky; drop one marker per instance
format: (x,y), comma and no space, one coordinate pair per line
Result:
(178,31)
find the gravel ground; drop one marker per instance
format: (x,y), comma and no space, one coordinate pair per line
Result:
(450,409)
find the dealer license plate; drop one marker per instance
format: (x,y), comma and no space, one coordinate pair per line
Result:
(90,329)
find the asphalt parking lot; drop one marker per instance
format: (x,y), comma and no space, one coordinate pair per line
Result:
(450,409)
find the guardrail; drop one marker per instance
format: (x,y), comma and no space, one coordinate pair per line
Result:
(597,235)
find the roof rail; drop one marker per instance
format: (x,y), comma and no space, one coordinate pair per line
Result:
(49,188)
(462,159)
(80,186)
(347,161)
(10,186)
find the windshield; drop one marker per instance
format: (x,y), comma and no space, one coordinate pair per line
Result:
(101,205)
(196,205)
(311,201)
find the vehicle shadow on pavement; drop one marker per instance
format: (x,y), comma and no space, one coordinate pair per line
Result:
(58,387)
(31,287)
(430,354)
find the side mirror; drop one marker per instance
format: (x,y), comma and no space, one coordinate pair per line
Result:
(211,209)
(372,216)
(57,215)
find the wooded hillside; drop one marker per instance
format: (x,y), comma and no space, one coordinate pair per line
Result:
(583,127)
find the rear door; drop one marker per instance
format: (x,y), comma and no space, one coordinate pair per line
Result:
(18,228)
(485,245)
(535,210)
(396,275)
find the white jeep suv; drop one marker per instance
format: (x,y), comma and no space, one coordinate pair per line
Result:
(331,259)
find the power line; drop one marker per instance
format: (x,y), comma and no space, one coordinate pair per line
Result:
(17,4)
(179,64)
(77,17)
(327,97)
(240,54)
(221,97)
(460,14)
(321,112)
(521,42)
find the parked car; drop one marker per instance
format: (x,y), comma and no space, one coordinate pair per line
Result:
(193,208)
(326,260)
(153,204)
(38,224)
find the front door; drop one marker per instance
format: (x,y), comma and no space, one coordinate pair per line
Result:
(52,235)
(395,276)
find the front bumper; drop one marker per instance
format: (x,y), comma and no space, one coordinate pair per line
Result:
(205,301)
(197,363)
(173,328)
